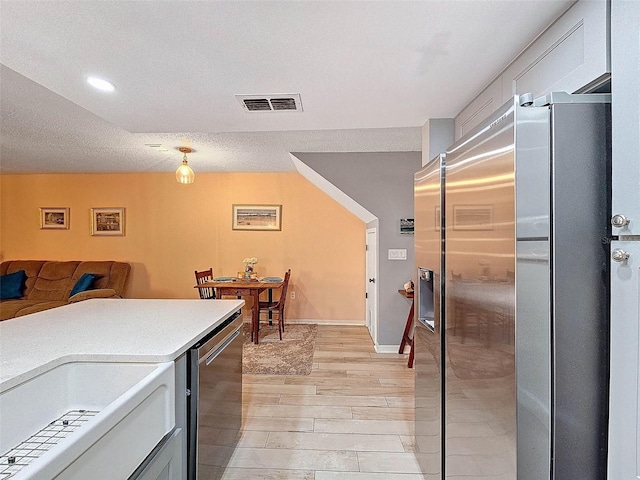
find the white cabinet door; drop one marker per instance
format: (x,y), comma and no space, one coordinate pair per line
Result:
(625,86)
(624,420)
(570,54)
(480,108)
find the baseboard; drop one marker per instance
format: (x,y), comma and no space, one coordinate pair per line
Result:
(311,321)
(349,323)
(388,349)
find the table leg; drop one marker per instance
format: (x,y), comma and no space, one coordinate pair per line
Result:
(407,329)
(411,355)
(255,317)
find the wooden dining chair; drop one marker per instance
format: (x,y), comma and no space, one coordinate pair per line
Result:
(206,293)
(277,307)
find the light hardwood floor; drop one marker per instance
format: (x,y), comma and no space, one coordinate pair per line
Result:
(351,419)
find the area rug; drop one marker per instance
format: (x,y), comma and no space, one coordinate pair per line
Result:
(293,355)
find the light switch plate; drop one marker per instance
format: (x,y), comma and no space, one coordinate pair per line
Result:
(397,254)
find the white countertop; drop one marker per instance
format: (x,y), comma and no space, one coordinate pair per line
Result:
(105,330)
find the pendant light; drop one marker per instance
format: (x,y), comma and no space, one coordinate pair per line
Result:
(184,174)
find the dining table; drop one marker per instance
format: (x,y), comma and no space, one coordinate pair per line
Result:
(240,287)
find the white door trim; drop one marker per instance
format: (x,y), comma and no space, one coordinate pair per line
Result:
(371,272)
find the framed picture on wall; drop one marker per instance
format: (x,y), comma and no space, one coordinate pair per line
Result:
(107,221)
(406,226)
(257,217)
(54,218)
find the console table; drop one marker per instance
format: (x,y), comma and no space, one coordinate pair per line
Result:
(406,340)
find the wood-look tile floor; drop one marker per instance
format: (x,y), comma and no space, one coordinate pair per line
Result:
(351,419)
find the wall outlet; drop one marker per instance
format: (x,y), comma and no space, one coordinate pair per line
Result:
(293,295)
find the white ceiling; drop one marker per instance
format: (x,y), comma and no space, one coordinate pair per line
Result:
(369,73)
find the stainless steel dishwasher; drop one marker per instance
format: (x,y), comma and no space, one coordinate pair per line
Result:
(215,404)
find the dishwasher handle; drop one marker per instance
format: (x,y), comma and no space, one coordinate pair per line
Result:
(221,346)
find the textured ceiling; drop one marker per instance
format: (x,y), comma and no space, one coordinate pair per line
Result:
(369,74)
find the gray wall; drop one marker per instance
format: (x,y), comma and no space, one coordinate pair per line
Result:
(383,184)
(437,135)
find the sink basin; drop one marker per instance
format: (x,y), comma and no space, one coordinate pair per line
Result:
(130,407)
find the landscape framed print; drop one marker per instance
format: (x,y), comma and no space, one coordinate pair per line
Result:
(257,217)
(54,218)
(107,221)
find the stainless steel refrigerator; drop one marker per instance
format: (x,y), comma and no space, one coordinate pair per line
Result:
(427,334)
(522,287)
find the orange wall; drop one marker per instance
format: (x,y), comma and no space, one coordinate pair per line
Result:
(173,229)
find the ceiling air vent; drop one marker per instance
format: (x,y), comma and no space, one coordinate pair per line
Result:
(283,104)
(271,103)
(257,104)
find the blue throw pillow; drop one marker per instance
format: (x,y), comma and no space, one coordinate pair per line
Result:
(11,285)
(83,283)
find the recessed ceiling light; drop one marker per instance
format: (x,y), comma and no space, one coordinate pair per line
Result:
(101,84)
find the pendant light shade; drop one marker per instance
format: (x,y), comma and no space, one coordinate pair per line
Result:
(184,174)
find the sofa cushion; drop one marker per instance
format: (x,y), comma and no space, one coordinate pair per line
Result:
(9,308)
(99,293)
(31,267)
(108,274)
(49,283)
(54,281)
(83,283)
(12,285)
(39,307)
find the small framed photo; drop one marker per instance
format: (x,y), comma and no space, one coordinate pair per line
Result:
(107,221)
(257,217)
(54,218)
(406,226)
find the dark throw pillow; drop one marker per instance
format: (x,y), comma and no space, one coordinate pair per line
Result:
(84,283)
(11,285)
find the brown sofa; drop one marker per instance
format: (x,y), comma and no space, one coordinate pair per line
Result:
(49,283)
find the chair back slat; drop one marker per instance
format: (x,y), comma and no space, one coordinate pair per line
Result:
(204,276)
(285,285)
(276,307)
